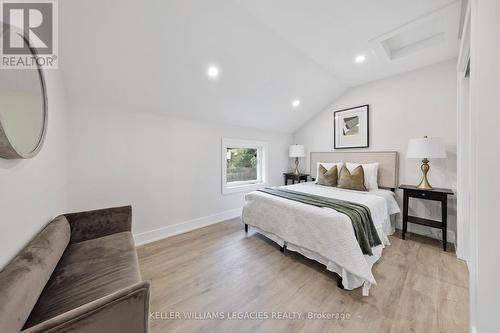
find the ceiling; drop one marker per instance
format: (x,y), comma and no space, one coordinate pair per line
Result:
(152,56)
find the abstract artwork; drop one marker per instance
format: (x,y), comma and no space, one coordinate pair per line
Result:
(351,127)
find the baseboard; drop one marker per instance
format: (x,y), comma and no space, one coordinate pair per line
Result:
(432,233)
(180,228)
(450,235)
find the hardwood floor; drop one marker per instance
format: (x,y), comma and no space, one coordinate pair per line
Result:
(221,269)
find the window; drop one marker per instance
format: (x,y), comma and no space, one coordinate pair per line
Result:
(243,165)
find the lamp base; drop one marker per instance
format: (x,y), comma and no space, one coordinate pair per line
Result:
(424,183)
(296,172)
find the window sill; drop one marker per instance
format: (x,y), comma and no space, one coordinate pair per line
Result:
(242,188)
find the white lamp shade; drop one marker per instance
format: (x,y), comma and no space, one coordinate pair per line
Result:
(426,148)
(296,151)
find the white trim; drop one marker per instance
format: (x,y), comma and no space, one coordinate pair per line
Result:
(262,169)
(243,188)
(463,136)
(464,12)
(464,51)
(472,171)
(180,228)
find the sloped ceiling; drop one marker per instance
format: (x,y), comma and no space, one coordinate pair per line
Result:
(151,56)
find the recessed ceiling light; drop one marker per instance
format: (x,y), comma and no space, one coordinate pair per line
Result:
(296,103)
(360,58)
(213,71)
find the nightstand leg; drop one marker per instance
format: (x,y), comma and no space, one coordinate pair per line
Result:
(405,212)
(246,227)
(444,213)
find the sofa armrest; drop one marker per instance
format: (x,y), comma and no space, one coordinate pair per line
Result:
(126,310)
(99,223)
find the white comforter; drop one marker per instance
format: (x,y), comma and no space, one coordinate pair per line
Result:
(323,234)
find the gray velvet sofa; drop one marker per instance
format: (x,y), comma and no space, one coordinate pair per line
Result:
(79,274)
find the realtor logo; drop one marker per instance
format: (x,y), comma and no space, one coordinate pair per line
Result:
(29,36)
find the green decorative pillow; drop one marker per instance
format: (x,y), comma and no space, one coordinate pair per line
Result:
(354,180)
(328,177)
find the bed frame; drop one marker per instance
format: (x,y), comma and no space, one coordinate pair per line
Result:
(388,171)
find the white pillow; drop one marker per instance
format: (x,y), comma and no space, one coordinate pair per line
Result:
(328,166)
(371,173)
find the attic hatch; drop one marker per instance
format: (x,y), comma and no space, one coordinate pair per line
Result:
(425,34)
(434,31)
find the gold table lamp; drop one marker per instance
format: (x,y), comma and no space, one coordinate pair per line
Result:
(425,148)
(296,151)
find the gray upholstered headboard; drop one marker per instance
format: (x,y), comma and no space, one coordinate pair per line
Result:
(388,170)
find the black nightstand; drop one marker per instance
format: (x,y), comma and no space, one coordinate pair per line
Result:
(436,194)
(294,177)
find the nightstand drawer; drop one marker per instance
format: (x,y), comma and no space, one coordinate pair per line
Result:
(425,195)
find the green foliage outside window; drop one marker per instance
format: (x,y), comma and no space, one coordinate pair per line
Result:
(241,164)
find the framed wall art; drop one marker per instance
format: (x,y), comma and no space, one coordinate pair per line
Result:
(351,128)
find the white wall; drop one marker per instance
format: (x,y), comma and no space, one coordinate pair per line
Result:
(34,191)
(168,168)
(414,104)
(485,225)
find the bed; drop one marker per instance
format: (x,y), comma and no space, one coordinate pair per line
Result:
(324,234)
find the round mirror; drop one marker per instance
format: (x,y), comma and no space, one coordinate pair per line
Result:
(23,110)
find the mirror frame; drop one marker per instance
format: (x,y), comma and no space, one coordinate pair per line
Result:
(7,148)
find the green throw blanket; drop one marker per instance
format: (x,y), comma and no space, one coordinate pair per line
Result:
(360,215)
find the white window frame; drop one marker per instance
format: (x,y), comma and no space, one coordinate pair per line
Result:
(234,187)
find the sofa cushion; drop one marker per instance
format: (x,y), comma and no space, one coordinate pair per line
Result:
(88,271)
(23,279)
